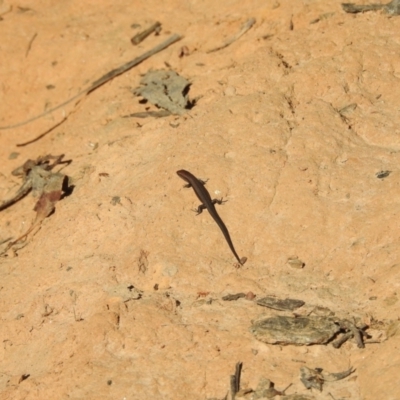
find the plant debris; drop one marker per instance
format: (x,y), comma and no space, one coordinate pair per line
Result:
(307,330)
(382,174)
(299,331)
(165,89)
(45,184)
(279,304)
(266,389)
(392,8)
(233,297)
(315,378)
(351,330)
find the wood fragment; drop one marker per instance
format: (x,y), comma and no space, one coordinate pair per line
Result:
(280,304)
(138,38)
(392,8)
(355,8)
(148,114)
(233,386)
(341,340)
(235,380)
(238,371)
(357,333)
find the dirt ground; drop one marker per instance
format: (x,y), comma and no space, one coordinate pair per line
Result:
(118,295)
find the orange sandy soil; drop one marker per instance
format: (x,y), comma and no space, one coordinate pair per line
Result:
(299,177)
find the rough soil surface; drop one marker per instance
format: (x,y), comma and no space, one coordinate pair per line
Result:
(119,294)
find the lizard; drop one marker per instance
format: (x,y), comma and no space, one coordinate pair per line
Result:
(209,204)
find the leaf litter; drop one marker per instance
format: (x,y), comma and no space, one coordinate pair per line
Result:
(49,186)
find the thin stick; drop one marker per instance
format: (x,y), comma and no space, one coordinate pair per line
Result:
(30,45)
(233,387)
(101,81)
(245,28)
(44,133)
(238,371)
(354,8)
(143,35)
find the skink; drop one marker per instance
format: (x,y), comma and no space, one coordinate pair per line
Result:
(207,203)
